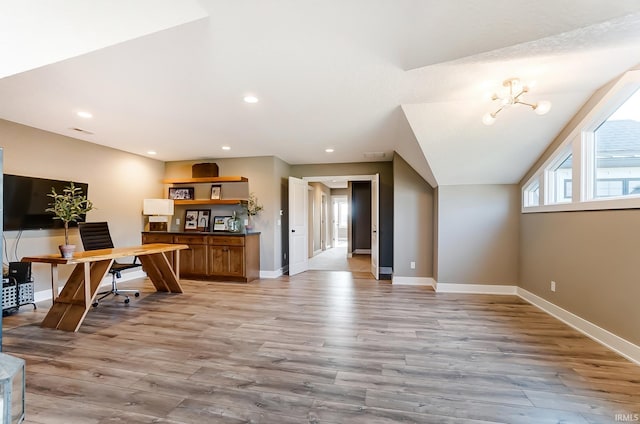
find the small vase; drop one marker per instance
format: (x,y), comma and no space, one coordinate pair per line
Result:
(66,250)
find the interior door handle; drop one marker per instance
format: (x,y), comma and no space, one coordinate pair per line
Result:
(293,231)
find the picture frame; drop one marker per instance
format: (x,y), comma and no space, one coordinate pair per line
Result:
(203,219)
(191,220)
(216,192)
(221,223)
(181,193)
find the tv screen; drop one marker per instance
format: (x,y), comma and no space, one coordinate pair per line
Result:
(25,201)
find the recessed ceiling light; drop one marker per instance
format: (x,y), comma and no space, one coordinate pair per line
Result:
(84,114)
(152,152)
(226,147)
(250,99)
(329,150)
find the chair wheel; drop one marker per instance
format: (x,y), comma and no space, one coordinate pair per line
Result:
(94,304)
(137,294)
(126,300)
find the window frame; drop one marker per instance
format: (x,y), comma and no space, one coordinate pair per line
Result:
(581,142)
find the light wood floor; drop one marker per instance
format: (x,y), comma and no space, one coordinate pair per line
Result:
(320,347)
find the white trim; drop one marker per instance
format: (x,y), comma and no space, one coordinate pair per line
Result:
(362,251)
(271,274)
(43,295)
(600,335)
(475,288)
(413,281)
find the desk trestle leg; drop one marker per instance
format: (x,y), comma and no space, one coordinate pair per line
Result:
(70,308)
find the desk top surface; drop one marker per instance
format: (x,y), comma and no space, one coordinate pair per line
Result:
(105,254)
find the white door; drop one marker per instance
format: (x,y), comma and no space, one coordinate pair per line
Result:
(298,226)
(375,221)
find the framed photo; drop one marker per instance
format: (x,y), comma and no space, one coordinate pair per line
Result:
(181,193)
(203,220)
(191,220)
(221,223)
(216,192)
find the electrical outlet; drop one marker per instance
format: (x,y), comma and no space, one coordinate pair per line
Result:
(177,221)
(412,265)
(553,286)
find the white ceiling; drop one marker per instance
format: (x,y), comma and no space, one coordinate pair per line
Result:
(359,76)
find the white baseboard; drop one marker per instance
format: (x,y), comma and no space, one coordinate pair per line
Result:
(362,251)
(43,295)
(475,288)
(413,281)
(600,335)
(272,274)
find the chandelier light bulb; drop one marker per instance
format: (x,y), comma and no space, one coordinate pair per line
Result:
(488,119)
(542,107)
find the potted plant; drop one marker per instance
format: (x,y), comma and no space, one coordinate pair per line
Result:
(68,206)
(253,208)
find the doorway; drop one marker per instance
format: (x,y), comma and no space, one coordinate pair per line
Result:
(336,231)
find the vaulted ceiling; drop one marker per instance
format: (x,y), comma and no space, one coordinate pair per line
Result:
(364,77)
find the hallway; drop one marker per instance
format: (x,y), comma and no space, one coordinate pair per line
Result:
(335,259)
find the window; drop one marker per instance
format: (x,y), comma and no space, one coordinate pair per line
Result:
(597,165)
(617,151)
(559,178)
(532,194)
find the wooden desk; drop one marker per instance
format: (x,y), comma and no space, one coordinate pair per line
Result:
(70,308)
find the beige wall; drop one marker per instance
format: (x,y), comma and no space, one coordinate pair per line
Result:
(265,175)
(413,222)
(118,182)
(593,258)
(590,255)
(478,234)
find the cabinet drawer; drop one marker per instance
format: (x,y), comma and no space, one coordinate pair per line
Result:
(157,238)
(226,241)
(195,239)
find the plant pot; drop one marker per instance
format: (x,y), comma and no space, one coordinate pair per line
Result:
(66,250)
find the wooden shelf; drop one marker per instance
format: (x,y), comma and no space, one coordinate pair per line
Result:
(210,202)
(236,179)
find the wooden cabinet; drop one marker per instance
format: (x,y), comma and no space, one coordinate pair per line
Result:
(226,256)
(214,257)
(193,261)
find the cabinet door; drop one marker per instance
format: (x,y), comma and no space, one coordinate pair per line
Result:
(218,260)
(236,261)
(193,261)
(226,260)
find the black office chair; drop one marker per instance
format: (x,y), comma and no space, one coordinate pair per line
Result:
(96,236)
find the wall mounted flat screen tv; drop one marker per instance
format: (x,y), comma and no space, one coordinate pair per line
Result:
(25,201)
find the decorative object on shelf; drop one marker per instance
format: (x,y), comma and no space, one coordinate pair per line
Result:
(191,220)
(159,211)
(515,89)
(204,170)
(68,206)
(221,223)
(216,192)
(203,219)
(252,208)
(181,193)
(234,223)
(12,389)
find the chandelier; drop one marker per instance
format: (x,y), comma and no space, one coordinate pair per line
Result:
(512,97)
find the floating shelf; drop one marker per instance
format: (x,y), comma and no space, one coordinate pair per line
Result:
(210,202)
(236,179)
